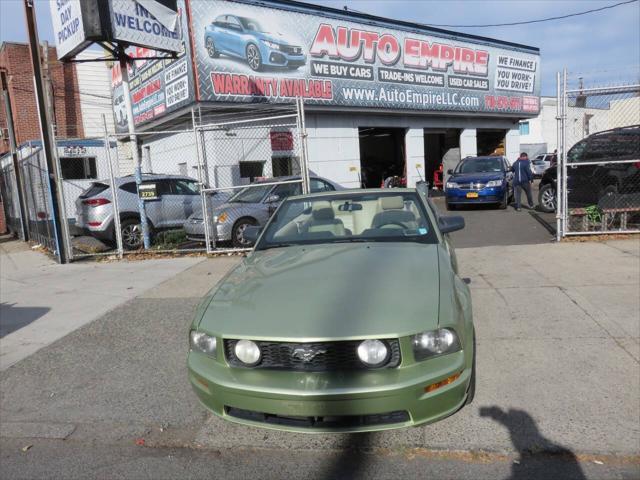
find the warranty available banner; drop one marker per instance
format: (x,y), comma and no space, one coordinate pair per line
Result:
(245,53)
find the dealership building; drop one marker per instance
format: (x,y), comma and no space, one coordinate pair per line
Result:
(382,97)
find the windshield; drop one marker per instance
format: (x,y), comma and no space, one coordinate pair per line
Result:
(480,165)
(251,194)
(538,162)
(354,217)
(250,24)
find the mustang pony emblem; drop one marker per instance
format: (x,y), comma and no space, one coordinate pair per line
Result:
(306,354)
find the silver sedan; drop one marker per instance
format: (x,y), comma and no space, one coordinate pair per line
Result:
(252,205)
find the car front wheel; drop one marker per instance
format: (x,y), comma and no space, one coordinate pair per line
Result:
(254,59)
(237,235)
(547,198)
(505,200)
(211,48)
(471,391)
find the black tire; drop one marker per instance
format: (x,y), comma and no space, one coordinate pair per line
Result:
(237,239)
(211,48)
(547,198)
(505,201)
(131,229)
(253,57)
(471,391)
(450,206)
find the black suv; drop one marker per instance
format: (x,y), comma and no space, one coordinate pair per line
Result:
(588,183)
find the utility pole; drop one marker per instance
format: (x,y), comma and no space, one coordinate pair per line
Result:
(13,145)
(124,71)
(45,131)
(51,114)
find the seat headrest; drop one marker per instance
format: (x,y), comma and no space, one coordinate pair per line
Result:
(391,203)
(322,211)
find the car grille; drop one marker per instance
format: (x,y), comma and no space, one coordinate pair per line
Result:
(329,356)
(327,421)
(471,186)
(292,50)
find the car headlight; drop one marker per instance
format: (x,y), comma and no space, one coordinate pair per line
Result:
(247,352)
(221,218)
(203,343)
(434,343)
(452,185)
(494,183)
(373,353)
(273,45)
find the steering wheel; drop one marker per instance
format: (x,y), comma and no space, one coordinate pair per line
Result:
(394,223)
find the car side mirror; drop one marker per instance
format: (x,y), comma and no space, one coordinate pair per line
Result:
(451,223)
(251,233)
(272,198)
(450,171)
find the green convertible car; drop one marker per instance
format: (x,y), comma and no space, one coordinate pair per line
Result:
(348,316)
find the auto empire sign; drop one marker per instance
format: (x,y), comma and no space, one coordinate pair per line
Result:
(246,52)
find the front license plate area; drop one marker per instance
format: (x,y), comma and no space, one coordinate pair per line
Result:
(472,195)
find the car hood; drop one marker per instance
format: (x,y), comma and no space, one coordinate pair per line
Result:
(229,207)
(476,177)
(275,37)
(328,292)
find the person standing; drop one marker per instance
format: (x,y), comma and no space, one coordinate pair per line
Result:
(522,179)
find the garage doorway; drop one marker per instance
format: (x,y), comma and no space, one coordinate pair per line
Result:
(382,155)
(490,142)
(441,147)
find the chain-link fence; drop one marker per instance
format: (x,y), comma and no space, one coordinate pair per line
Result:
(186,176)
(196,187)
(253,162)
(599,175)
(35,179)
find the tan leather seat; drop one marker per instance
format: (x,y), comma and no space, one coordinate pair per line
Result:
(393,214)
(323,219)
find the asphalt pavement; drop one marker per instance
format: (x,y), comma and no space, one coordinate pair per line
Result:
(487,225)
(558,386)
(43,301)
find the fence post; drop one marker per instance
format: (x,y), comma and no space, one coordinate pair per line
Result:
(565,106)
(203,195)
(122,56)
(114,190)
(302,132)
(559,126)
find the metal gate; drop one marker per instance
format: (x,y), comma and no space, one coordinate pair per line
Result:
(598,175)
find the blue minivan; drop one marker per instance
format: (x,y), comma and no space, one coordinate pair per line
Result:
(480,180)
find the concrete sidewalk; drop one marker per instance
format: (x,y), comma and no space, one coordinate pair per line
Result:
(42,301)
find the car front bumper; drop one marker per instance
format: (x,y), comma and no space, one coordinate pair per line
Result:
(371,400)
(485,195)
(278,58)
(194,230)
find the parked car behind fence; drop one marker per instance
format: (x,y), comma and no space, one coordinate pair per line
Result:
(177,198)
(252,205)
(601,164)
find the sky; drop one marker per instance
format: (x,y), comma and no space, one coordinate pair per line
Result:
(602,47)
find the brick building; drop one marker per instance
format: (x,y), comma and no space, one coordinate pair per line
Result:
(15,63)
